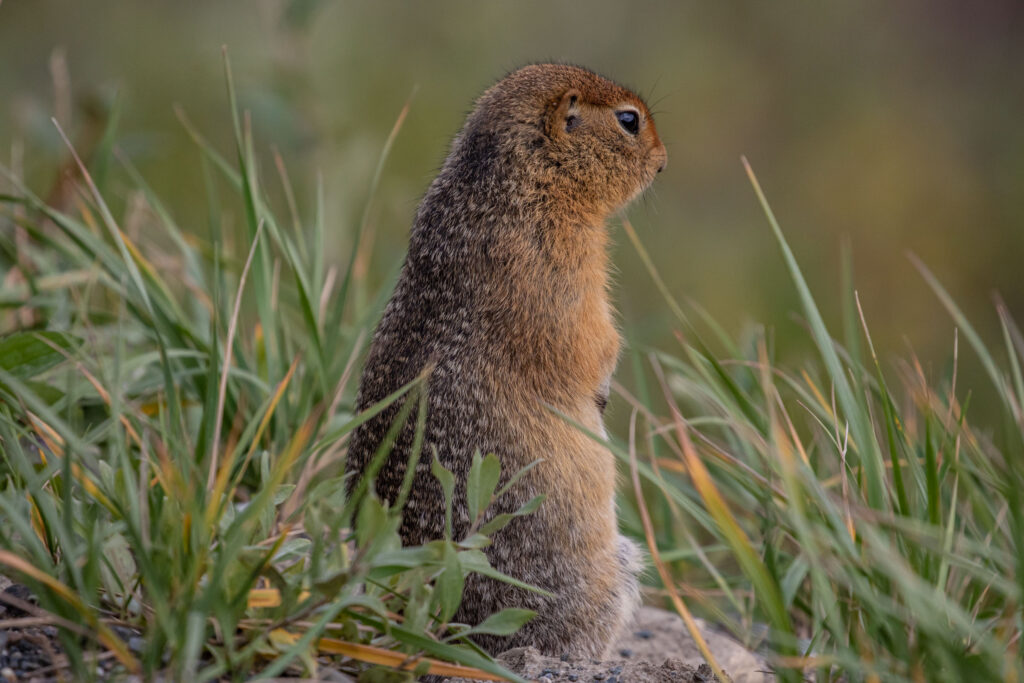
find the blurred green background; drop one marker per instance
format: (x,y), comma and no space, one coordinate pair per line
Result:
(895,126)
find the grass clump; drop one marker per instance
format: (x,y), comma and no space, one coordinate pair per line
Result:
(174,410)
(173,417)
(853,525)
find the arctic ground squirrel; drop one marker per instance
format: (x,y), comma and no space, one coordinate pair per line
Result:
(504,292)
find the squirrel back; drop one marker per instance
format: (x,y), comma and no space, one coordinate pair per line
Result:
(504,293)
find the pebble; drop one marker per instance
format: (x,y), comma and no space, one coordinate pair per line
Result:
(625,652)
(8,674)
(17,590)
(573,677)
(644,634)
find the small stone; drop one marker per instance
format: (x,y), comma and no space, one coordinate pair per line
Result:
(573,677)
(17,590)
(644,634)
(625,652)
(564,657)
(136,644)
(7,673)
(704,673)
(599,676)
(613,679)
(617,670)
(123,632)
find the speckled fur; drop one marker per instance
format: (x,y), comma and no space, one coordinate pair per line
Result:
(504,290)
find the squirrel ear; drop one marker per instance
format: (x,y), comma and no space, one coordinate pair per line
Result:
(567,114)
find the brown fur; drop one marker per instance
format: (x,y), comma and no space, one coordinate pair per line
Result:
(505,289)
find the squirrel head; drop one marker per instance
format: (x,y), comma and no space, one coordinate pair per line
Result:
(569,140)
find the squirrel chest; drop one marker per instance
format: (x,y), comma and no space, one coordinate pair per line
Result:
(558,341)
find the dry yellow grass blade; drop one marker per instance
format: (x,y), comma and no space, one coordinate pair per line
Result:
(86,214)
(166,473)
(268,597)
(136,254)
(263,597)
(37,522)
(399,660)
(54,442)
(822,403)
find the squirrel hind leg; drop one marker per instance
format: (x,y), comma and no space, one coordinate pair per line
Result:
(631,560)
(631,556)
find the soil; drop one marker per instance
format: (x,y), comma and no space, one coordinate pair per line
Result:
(657,649)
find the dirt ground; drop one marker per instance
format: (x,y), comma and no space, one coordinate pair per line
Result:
(657,649)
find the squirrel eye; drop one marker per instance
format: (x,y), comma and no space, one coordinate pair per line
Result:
(629,121)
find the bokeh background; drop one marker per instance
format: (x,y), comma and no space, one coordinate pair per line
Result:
(894,127)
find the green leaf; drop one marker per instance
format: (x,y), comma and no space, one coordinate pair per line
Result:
(476,561)
(473,488)
(500,521)
(483,478)
(490,472)
(282,493)
(47,393)
(477,540)
(26,354)
(407,558)
(517,476)
(372,519)
(503,623)
(447,481)
(792,579)
(450,583)
(420,605)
